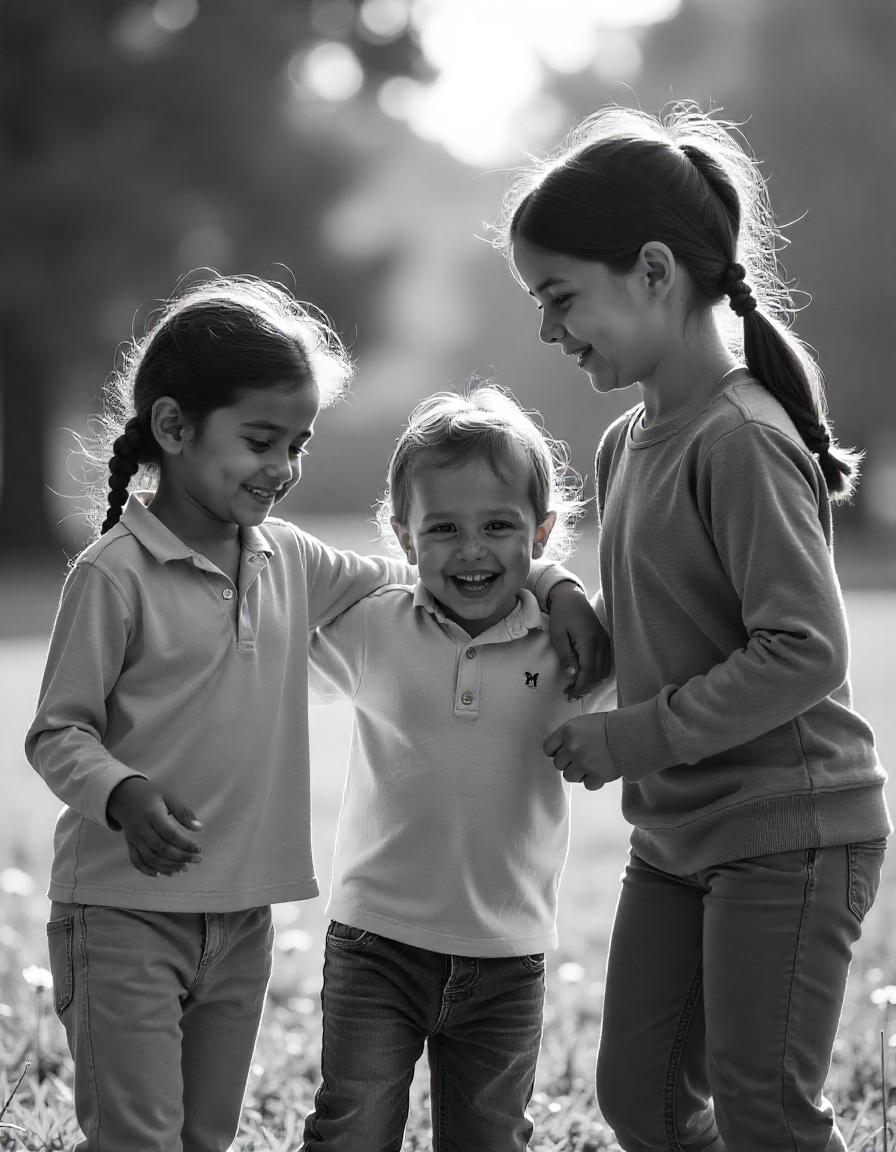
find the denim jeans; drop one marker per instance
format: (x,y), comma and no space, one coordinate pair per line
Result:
(382,1001)
(723,995)
(161,1011)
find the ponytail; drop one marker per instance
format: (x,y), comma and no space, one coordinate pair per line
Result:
(123,464)
(784,367)
(622,177)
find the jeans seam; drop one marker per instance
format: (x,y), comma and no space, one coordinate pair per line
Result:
(440,1136)
(84,1016)
(807,889)
(684,1023)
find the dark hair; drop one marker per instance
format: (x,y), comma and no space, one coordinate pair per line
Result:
(211,344)
(623,178)
(485,422)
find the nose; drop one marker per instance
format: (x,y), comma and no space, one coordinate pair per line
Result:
(550,330)
(471,548)
(282,467)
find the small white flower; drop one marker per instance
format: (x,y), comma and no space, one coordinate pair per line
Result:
(38,978)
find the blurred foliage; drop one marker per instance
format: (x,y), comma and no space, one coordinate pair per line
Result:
(141,140)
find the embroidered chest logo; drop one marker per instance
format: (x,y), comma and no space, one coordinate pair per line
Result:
(531,679)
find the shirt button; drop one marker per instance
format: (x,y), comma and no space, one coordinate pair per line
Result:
(467,698)
(227,593)
(471,653)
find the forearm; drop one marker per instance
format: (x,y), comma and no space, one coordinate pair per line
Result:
(758,688)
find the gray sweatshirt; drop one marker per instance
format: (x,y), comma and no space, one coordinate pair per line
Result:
(735,733)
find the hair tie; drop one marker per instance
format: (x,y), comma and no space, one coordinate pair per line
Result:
(742,301)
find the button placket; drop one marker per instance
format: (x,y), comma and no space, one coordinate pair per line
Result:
(469,676)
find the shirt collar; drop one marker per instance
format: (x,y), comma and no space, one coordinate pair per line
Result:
(522,618)
(162,543)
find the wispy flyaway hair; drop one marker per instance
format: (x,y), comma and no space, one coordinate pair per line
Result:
(208,345)
(623,178)
(484,421)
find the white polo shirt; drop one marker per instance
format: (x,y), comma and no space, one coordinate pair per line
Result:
(455,825)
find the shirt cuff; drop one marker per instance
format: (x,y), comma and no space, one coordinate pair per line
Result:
(636,740)
(547,580)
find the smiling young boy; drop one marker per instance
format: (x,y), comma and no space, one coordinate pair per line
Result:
(454,827)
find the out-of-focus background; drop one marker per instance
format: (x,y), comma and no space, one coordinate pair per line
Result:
(357,151)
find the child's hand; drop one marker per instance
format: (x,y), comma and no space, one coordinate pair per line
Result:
(579,750)
(153,824)
(579,637)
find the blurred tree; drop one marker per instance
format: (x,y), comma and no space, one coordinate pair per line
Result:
(138,141)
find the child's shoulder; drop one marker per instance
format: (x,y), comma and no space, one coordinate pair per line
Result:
(748,404)
(616,429)
(116,551)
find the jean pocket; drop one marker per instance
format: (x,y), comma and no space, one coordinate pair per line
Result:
(534,962)
(60,934)
(347,937)
(865,862)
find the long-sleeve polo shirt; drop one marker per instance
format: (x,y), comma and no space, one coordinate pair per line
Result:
(735,732)
(160,666)
(455,824)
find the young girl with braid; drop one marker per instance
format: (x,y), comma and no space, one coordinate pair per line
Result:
(753,786)
(172,718)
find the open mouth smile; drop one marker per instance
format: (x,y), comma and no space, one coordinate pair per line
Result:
(474,583)
(264,494)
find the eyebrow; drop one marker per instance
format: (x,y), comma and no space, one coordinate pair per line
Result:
(268,426)
(510,513)
(549,283)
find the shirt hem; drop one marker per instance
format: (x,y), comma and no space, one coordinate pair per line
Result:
(806,820)
(108,897)
(486,947)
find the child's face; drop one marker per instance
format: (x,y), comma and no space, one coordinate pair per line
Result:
(605,319)
(247,456)
(473,536)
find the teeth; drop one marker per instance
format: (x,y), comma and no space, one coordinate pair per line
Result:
(581,356)
(265,492)
(479,578)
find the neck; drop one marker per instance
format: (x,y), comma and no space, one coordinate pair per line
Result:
(686,374)
(190,522)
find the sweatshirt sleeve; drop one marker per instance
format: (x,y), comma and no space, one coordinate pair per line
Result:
(763,504)
(337,579)
(87,652)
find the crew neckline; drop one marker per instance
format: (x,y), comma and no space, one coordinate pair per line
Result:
(641,437)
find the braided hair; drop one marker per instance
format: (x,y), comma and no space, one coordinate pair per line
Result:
(123,464)
(210,344)
(624,177)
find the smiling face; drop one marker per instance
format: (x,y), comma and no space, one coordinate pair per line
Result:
(241,461)
(612,323)
(473,535)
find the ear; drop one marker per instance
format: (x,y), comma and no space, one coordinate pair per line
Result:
(657,268)
(168,425)
(542,532)
(404,539)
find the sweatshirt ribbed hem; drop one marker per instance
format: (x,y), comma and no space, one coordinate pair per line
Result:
(776,824)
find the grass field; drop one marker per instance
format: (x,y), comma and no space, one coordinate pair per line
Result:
(284,1076)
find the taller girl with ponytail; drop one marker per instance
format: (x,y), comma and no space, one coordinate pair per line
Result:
(753,787)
